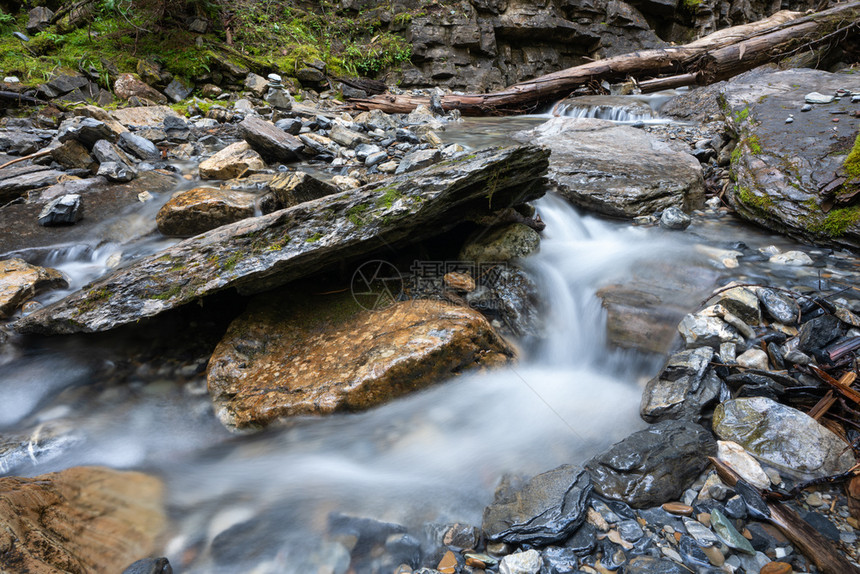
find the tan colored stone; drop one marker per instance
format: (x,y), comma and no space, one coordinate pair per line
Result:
(282,358)
(19,281)
(129,85)
(448,564)
(232,161)
(83,519)
(201,209)
(294,188)
(149,116)
(459,281)
(678,509)
(73,155)
(776,568)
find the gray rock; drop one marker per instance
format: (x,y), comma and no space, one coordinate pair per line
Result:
(701,533)
(548,508)
(104,152)
(139,146)
(817,332)
(279,99)
(150,566)
(16,180)
(816,98)
(504,243)
(418,159)
(675,219)
(700,329)
(291,189)
(431,202)
(72,154)
(311,77)
(38,19)
(270,142)
(591,167)
(684,388)
(528,562)
(728,533)
(256,84)
(742,303)
(63,84)
(64,210)
(115,171)
(654,465)
(178,89)
(85,130)
(787,199)
(781,436)
(779,305)
(364,150)
(347,137)
(290,125)
(17,142)
(651,565)
(375,158)
(377,120)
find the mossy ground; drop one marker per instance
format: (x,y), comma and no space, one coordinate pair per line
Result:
(272,36)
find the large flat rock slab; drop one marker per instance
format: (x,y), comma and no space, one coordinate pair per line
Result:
(284,358)
(83,519)
(260,253)
(783,169)
(617,170)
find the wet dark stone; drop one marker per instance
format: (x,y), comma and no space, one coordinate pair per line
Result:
(613,555)
(756,506)
(779,305)
(692,554)
(404,549)
(630,530)
(583,540)
(822,524)
(816,333)
(558,560)
(651,565)
(736,508)
(368,532)
(654,465)
(761,539)
(776,357)
(150,566)
(406,136)
(660,518)
(548,508)
(708,506)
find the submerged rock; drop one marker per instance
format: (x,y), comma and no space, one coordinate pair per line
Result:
(548,508)
(202,208)
(783,437)
(280,360)
(654,465)
(20,281)
(591,166)
(84,519)
(264,252)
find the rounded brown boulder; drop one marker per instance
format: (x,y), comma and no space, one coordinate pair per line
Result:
(200,209)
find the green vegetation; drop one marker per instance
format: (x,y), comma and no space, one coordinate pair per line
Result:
(357,214)
(754,144)
(231,261)
(761,203)
(314,238)
(741,115)
(172,292)
(837,221)
(389,196)
(852,162)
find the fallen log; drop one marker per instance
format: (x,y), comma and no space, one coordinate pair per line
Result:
(715,57)
(21,99)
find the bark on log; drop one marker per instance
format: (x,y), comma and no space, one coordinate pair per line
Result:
(715,57)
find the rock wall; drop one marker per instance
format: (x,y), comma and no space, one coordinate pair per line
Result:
(479,45)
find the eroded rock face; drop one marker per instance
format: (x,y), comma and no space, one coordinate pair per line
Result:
(84,519)
(318,357)
(591,167)
(548,508)
(19,281)
(264,252)
(783,437)
(654,465)
(783,169)
(201,209)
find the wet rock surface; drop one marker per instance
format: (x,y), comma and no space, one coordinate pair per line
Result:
(20,281)
(589,168)
(278,362)
(200,209)
(84,518)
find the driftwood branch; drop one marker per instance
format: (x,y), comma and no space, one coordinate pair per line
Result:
(713,58)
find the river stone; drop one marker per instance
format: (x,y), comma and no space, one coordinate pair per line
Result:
(282,359)
(64,210)
(116,171)
(753,358)
(127,86)
(651,565)
(291,189)
(591,167)
(72,155)
(231,162)
(39,18)
(701,329)
(818,332)
(783,437)
(83,519)
(729,534)
(654,465)
(203,208)
(20,281)
(528,562)
(272,143)
(148,116)
(683,389)
(780,306)
(178,89)
(418,159)
(742,463)
(347,137)
(675,219)
(150,566)
(256,84)
(791,258)
(515,240)
(742,303)
(139,146)
(782,168)
(548,508)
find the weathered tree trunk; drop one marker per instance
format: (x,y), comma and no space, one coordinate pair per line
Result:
(715,57)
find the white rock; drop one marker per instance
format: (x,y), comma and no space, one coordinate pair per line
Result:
(528,562)
(753,359)
(770,250)
(12,80)
(742,463)
(793,258)
(816,98)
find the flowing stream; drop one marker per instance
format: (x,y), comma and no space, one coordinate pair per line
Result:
(432,457)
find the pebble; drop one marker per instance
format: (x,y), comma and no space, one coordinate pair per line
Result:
(806,108)
(714,555)
(814,499)
(789,120)
(776,568)
(729,534)
(448,564)
(528,562)
(678,509)
(703,535)
(816,98)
